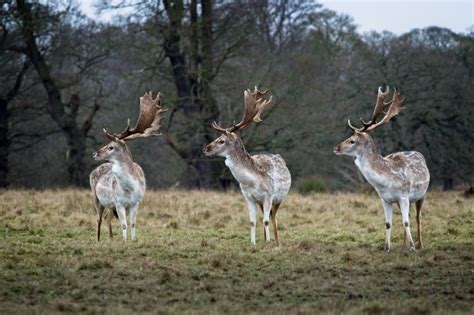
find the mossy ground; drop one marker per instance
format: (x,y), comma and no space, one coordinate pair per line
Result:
(194,256)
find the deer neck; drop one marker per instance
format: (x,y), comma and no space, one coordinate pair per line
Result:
(123,171)
(241,164)
(372,165)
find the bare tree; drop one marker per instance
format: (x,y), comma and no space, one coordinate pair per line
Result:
(7,95)
(64,113)
(14,67)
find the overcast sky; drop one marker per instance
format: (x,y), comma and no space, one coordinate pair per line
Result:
(395,16)
(403,15)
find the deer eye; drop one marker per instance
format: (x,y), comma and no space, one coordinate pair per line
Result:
(221,141)
(110,148)
(351,141)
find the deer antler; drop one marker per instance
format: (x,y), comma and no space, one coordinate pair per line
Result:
(394,109)
(148,120)
(255,105)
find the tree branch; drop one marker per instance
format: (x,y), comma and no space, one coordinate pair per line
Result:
(18,82)
(55,105)
(86,127)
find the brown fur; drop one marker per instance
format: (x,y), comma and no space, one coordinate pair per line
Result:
(418,206)
(274,222)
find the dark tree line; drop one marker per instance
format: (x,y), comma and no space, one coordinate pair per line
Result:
(64,77)
(64,113)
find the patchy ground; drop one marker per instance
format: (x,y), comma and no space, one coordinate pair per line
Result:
(194,256)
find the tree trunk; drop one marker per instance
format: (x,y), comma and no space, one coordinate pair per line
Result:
(4,143)
(209,171)
(192,74)
(76,150)
(448,183)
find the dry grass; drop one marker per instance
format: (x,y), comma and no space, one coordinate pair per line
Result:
(194,256)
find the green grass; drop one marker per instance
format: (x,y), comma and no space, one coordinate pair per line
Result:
(194,256)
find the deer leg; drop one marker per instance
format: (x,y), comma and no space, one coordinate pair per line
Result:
(405,207)
(133,220)
(267,208)
(274,222)
(404,232)
(100,211)
(260,206)
(253,218)
(387,207)
(418,205)
(123,220)
(109,218)
(404,238)
(99,223)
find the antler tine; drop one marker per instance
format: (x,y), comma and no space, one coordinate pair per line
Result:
(394,110)
(218,128)
(259,93)
(157,99)
(148,122)
(108,134)
(254,106)
(364,123)
(351,126)
(379,108)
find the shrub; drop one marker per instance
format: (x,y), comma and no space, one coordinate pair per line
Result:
(310,185)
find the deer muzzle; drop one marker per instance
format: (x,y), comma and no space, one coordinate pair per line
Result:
(207,150)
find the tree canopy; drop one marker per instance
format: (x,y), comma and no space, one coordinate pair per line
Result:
(65,77)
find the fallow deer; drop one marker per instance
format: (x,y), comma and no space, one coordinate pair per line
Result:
(264,178)
(401,177)
(119,184)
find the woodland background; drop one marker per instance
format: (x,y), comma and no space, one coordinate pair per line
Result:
(63,77)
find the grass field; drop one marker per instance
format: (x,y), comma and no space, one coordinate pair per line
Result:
(193,255)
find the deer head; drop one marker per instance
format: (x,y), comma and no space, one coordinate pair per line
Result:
(361,140)
(254,106)
(147,125)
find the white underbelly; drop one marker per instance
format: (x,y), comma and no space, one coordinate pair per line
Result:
(415,196)
(128,198)
(391,196)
